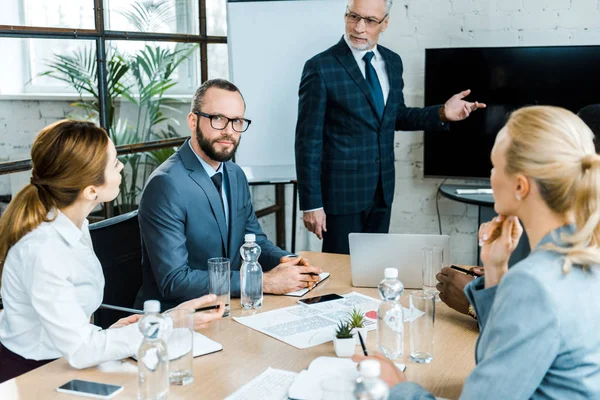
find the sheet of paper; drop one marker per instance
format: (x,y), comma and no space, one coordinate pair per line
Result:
(271,384)
(302,292)
(304,326)
(307,385)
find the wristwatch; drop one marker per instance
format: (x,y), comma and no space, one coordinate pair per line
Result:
(472,312)
(443,117)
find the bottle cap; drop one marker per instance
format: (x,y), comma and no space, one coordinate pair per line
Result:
(152,306)
(370,368)
(250,237)
(391,273)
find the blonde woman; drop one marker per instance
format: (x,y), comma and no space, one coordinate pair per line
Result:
(540,320)
(52,281)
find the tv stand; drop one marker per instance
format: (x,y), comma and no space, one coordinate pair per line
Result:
(480,196)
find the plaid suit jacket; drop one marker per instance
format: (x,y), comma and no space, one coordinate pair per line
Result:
(342,146)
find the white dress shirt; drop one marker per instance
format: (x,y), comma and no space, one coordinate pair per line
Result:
(379,65)
(211,171)
(52,282)
(377,62)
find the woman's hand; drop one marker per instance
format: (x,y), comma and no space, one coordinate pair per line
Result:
(389,372)
(204,318)
(498,239)
(132,319)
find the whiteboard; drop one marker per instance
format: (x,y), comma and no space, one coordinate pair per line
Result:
(268,44)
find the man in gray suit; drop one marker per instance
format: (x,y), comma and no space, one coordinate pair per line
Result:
(197,205)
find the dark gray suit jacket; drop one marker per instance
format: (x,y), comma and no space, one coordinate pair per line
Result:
(182,226)
(342,146)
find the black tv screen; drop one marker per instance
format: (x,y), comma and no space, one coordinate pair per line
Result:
(505,78)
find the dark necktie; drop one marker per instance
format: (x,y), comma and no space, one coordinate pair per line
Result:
(373,83)
(218,181)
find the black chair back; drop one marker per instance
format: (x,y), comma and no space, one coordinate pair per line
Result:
(118,246)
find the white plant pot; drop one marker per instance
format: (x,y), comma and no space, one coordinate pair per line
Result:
(344,347)
(363,333)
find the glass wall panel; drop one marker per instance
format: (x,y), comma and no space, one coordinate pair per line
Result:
(164,16)
(216,17)
(76,14)
(218,61)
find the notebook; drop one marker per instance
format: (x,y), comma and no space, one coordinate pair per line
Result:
(302,292)
(202,346)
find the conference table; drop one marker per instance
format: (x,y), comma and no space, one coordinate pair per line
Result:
(246,352)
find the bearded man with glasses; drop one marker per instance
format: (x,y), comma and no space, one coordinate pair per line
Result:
(197,205)
(350,105)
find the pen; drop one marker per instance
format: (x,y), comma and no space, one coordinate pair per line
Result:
(362,344)
(466,271)
(207,308)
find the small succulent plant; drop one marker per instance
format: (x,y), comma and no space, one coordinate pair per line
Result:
(343,331)
(357,318)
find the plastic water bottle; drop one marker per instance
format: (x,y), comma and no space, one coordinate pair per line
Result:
(390,317)
(251,274)
(368,385)
(153,357)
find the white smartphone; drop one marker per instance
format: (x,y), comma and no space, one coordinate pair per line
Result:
(96,390)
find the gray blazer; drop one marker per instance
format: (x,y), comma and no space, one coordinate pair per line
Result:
(182,226)
(539,333)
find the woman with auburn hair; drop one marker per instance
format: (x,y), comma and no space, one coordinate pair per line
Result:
(539,321)
(52,281)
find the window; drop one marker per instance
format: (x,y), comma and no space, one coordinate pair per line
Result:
(154,54)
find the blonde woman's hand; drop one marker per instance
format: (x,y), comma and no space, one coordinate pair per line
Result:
(498,239)
(389,372)
(204,318)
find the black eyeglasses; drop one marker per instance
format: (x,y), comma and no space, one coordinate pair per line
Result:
(220,122)
(370,22)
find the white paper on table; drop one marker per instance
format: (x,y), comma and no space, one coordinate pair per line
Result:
(304,326)
(271,384)
(307,385)
(302,292)
(202,345)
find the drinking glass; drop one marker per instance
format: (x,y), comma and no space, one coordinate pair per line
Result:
(422,309)
(433,259)
(180,344)
(219,277)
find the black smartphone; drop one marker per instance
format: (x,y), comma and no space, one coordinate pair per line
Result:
(90,389)
(321,299)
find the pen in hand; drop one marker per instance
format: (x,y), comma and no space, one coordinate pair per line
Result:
(466,271)
(207,308)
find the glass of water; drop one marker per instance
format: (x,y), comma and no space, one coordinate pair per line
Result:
(433,260)
(180,345)
(422,310)
(219,277)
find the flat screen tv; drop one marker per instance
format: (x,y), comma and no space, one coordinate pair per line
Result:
(505,78)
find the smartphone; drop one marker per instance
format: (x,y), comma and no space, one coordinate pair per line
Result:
(96,390)
(321,299)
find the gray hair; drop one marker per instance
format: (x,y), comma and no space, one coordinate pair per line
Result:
(388,5)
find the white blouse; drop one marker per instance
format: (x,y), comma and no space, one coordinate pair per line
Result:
(51,284)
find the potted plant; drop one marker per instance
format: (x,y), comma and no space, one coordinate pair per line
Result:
(357,324)
(343,342)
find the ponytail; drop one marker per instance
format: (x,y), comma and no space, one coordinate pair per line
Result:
(24,213)
(584,245)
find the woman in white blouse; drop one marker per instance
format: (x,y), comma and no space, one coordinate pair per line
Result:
(52,281)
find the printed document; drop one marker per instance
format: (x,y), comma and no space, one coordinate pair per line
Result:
(272,384)
(304,326)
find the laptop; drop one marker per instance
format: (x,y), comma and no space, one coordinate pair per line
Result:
(372,253)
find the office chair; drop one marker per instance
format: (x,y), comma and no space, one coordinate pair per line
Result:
(117,243)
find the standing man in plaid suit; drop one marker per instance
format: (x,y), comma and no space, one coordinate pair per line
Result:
(350,105)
